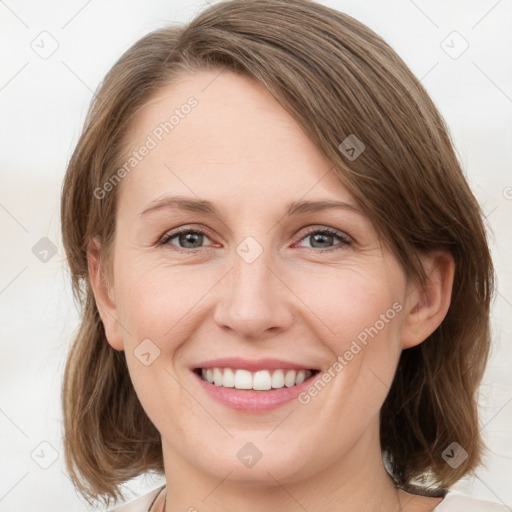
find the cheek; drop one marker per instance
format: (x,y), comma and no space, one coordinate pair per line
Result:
(359,317)
(155,299)
(353,305)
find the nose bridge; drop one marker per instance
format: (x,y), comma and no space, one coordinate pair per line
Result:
(252,301)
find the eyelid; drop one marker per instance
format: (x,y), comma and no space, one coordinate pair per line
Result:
(320,228)
(163,240)
(345,238)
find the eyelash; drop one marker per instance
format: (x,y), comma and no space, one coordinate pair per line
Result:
(345,240)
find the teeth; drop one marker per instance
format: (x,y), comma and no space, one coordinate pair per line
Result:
(228,380)
(261,380)
(289,378)
(301,377)
(217,377)
(278,379)
(243,379)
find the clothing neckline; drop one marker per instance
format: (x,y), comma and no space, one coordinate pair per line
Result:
(437,507)
(156,497)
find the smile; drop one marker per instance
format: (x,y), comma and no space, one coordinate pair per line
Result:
(261,380)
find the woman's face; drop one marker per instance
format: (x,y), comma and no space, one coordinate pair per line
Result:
(258,280)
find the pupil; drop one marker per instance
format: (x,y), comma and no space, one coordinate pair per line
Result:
(190,238)
(322,235)
(321,238)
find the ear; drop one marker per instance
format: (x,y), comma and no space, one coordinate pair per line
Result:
(427,307)
(103,295)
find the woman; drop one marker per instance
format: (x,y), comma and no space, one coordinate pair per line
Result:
(285,276)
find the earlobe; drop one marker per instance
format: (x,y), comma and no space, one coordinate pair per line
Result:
(103,296)
(428,306)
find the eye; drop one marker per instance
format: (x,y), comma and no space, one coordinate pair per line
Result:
(320,238)
(192,239)
(189,239)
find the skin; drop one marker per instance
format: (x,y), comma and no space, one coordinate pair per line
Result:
(242,151)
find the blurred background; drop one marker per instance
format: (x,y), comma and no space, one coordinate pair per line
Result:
(55,53)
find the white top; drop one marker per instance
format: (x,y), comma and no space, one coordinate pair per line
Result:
(141,504)
(454,501)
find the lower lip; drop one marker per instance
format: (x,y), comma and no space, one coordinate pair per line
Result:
(254,401)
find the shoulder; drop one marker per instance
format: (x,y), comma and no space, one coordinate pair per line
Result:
(141,504)
(455,501)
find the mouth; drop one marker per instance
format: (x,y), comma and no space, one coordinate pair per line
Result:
(253,385)
(261,380)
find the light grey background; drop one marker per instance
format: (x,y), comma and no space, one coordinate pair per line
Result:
(44,101)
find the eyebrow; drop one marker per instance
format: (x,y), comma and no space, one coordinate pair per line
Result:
(208,208)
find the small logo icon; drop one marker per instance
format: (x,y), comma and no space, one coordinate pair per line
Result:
(454,45)
(249,455)
(352,147)
(44,250)
(44,455)
(249,249)
(455,455)
(146,352)
(45,45)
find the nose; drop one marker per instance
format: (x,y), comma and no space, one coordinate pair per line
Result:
(254,300)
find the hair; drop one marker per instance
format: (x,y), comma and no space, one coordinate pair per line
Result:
(337,78)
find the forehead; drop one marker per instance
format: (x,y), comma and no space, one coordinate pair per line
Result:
(222,135)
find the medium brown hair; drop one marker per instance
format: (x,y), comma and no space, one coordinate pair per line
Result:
(337,78)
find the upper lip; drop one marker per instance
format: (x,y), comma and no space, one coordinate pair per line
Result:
(251,364)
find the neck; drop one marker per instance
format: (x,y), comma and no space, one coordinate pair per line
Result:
(356,482)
